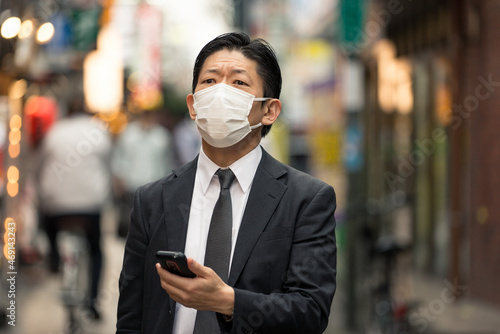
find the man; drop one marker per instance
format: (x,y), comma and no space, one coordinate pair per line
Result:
(282,262)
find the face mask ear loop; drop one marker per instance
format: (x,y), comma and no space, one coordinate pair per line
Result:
(262,99)
(252,127)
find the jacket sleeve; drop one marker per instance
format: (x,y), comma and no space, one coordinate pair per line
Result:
(132,276)
(303,304)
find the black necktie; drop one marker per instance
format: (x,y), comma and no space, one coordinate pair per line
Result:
(218,251)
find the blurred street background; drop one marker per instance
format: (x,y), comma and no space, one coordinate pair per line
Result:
(395,103)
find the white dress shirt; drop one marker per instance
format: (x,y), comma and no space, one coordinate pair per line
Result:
(205,195)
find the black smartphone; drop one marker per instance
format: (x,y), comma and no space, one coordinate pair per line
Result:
(175,262)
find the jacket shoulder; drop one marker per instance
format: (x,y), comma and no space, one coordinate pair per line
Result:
(291,176)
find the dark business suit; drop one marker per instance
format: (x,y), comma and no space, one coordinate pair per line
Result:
(284,264)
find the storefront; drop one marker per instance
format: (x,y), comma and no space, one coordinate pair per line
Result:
(440,152)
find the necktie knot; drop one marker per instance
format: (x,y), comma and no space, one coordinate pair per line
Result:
(226,177)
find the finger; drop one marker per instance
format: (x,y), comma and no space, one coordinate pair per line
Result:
(160,270)
(168,280)
(176,292)
(198,269)
(163,273)
(163,277)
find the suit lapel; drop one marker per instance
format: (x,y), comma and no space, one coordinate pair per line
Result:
(265,194)
(177,196)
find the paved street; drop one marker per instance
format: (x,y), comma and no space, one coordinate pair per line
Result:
(40,308)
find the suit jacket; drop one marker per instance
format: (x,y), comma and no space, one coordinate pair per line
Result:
(284,264)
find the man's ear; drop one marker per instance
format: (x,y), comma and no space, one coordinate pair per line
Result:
(273,109)
(190,102)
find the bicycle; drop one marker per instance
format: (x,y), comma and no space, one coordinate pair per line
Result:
(384,299)
(74,254)
(388,313)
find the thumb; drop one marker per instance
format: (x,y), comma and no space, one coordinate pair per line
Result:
(196,268)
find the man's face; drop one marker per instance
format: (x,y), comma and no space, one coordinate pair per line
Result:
(234,69)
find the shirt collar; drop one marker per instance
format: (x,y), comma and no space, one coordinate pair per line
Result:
(244,169)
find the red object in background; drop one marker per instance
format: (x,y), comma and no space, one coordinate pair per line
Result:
(400,312)
(40,113)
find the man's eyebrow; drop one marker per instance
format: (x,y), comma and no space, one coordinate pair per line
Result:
(240,71)
(211,70)
(234,70)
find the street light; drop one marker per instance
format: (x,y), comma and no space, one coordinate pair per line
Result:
(45,33)
(26,29)
(11,27)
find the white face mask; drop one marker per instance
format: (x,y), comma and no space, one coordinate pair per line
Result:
(222,114)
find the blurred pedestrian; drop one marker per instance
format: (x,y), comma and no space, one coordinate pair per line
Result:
(143,153)
(74,185)
(187,140)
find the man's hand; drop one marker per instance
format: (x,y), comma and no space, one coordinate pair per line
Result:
(205,292)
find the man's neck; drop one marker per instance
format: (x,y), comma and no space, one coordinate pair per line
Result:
(224,157)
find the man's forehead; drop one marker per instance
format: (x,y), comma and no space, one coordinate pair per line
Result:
(232,60)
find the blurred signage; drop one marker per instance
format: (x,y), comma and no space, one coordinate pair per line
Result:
(84,27)
(325,106)
(102,81)
(353,86)
(146,86)
(327,148)
(353,148)
(62,38)
(326,126)
(351,20)
(103,74)
(311,96)
(311,18)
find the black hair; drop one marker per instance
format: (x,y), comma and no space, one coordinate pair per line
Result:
(257,50)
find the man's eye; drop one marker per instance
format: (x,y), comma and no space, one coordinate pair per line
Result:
(209,81)
(240,83)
